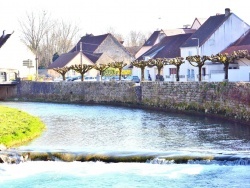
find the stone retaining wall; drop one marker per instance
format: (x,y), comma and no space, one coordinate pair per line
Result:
(225,99)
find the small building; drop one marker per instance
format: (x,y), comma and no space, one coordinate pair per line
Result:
(90,49)
(216,34)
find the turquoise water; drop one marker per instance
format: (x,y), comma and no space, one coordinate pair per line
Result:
(120,131)
(98,174)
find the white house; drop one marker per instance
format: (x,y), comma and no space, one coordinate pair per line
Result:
(214,36)
(14,55)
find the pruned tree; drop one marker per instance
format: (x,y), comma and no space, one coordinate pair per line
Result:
(199,60)
(142,64)
(101,68)
(159,63)
(81,69)
(62,71)
(227,59)
(118,65)
(178,61)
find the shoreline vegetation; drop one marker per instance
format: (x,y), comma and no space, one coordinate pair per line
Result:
(18,127)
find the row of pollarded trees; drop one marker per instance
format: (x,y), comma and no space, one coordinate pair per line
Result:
(196,61)
(84,68)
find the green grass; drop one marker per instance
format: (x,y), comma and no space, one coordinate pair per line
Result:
(17,127)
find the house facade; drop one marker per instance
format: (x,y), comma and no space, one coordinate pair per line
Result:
(90,49)
(16,60)
(214,36)
(217,34)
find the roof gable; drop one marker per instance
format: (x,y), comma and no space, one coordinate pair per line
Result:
(206,30)
(62,60)
(89,43)
(4,38)
(169,47)
(153,38)
(243,43)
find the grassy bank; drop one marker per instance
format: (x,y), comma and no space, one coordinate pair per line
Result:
(17,127)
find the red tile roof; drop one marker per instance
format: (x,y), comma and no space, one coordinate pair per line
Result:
(243,43)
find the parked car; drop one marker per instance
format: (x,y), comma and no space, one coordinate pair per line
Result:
(76,78)
(90,78)
(135,79)
(114,78)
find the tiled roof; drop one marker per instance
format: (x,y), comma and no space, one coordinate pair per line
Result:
(206,30)
(89,43)
(243,43)
(93,56)
(152,39)
(169,47)
(4,38)
(231,49)
(62,60)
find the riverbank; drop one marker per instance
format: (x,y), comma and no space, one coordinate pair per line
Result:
(18,127)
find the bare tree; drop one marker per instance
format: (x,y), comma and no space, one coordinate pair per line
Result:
(33,29)
(101,68)
(199,60)
(227,59)
(118,65)
(141,64)
(135,38)
(178,61)
(59,40)
(62,71)
(159,63)
(45,36)
(117,35)
(82,69)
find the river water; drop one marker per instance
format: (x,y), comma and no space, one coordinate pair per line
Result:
(119,131)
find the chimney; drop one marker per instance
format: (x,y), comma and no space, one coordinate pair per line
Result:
(227,11)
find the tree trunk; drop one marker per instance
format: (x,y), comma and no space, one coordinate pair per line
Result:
(226,66)
(82,77)
(200,73)
(120,74)
(159,70)
(177,73)
(101,75)
(142,73)
(63,75)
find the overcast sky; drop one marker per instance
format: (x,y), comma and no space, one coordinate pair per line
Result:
(96,16)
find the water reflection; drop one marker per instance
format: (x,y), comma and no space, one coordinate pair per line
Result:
(93,127)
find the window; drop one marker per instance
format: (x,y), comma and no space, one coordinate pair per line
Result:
(188,73)
(172,71)
(203,71)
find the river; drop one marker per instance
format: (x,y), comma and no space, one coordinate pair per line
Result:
(119,131)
